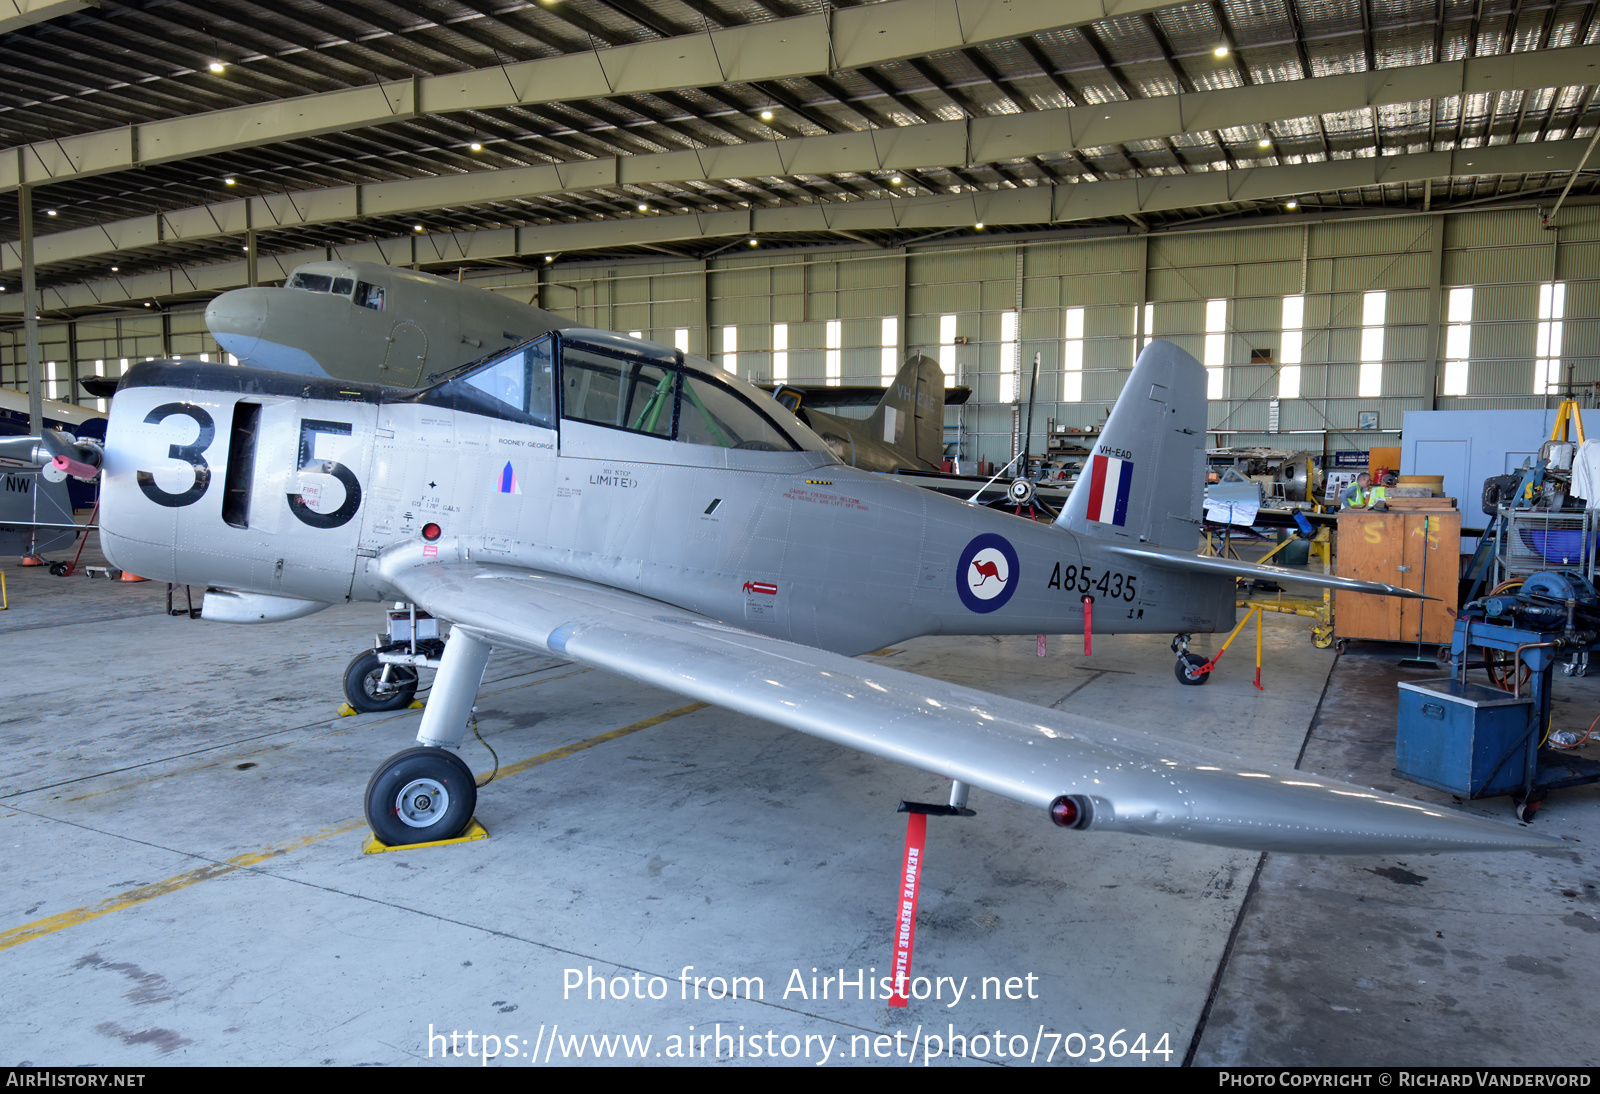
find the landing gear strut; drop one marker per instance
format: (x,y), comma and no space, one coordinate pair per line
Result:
(427,794)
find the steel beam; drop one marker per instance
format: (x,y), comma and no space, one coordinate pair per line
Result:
(939,144)
(25,13)
(1061,204)
(800,46)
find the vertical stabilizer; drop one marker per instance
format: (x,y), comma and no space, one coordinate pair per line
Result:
(910,416)
(1145,477)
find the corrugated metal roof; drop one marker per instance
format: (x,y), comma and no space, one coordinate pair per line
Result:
(101,70)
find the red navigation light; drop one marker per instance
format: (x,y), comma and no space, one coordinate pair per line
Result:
(1070,812)
(431,531)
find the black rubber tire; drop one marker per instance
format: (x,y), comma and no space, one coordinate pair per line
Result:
(362,677)
(412,784)
(1185,669)
(58,569)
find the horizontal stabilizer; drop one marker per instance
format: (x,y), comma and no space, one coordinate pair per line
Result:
(1182,560)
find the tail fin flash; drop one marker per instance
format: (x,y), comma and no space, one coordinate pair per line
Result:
(1144,481)
(911,412)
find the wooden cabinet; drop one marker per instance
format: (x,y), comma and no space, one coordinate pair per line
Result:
(1394,548)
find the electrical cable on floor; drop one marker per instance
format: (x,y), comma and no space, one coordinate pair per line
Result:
(472,720)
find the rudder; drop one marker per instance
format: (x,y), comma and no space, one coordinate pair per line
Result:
(1145,478)
(910,415)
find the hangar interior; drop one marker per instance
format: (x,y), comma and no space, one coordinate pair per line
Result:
(1346,212)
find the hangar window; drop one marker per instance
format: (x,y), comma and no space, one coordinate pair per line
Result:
(891,349)
(834,338)
(1547,339)
(1294,322)
(1072,358)
(780,353)
(947,346)
(1008,357)
(1373,307)
(1458,342)
(1216,346)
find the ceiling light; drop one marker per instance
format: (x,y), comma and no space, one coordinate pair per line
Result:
(114,269)
(643,208)
(216,66)
(895,181)
(416,227)
(766,115)
(549,258)
(230,181)
(49,212)
(477,147)
(1264,142)
(753,243)
(979,226)
(1220,51)
(1292,205)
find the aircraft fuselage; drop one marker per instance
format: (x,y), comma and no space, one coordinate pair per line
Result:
(291,488)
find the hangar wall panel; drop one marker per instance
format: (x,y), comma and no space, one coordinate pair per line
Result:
(1503,255)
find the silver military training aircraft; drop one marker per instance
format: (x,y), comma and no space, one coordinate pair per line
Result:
(624,506)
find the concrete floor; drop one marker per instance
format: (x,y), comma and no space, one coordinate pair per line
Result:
(181,823)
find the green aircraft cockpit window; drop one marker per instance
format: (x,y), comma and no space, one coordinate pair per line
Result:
(628,383)
(631,386)
(717,415)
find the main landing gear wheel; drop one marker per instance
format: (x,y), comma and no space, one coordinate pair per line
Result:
(421,795)
(1188,669)
(366,690)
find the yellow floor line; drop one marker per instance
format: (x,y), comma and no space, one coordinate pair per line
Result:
(569,750)
(51,924)
(39,928)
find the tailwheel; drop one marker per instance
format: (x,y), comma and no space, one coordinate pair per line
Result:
(1322,635)
(421,795)
(370,685)
(1188,669)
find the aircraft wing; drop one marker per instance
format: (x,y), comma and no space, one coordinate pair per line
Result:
(1123,780)
(1182,560)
